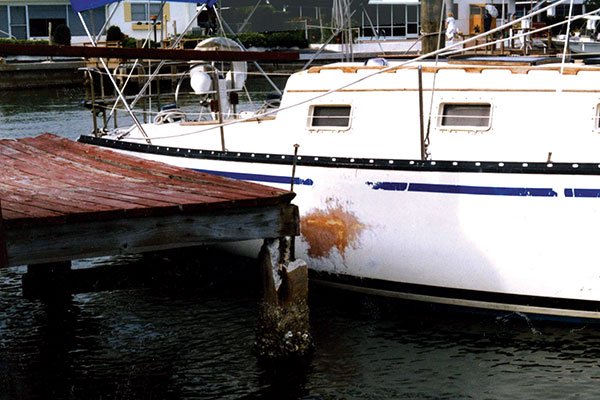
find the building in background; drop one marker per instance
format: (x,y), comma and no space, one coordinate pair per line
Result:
(371,19)
(31,19)
(390,19)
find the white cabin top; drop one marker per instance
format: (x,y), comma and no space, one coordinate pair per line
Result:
(504,109)
(507,109)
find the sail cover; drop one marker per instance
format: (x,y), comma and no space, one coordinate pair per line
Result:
(82,5)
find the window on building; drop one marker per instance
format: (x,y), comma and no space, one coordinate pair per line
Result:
(337,116)
(94,19)
(390,20)
(412,20)
(42,16)
(18,22)
(143,11)
(4,22)
(463,115)
(562,10)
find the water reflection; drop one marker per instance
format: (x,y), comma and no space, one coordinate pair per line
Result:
(187,332)
(24,114)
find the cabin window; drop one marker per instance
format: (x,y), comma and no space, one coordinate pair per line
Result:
(336,116)
(465,115)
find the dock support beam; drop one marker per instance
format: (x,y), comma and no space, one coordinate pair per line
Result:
(283,326)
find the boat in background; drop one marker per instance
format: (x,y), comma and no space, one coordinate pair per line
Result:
(582,41)
(469,181)
(579,44)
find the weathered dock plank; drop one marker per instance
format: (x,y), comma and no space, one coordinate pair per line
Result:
(63,200)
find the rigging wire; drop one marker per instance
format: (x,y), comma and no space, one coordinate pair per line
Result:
(439,52)
(564,55)
(426,140)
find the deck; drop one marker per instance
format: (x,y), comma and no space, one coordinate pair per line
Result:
(61,200)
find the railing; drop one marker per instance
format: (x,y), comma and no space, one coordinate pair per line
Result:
(112,43)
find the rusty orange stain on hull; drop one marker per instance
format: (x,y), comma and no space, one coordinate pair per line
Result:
(331,228)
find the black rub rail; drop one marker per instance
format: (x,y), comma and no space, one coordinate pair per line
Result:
(546,168)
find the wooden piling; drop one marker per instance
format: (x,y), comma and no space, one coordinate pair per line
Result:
(3,252)
(49,282)
(284,327)
(430,26)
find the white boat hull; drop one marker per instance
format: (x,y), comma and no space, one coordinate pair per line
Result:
(512,237)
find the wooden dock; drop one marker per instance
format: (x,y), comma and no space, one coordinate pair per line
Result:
(62,200)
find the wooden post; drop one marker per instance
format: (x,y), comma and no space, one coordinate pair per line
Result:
(284,328)
(430,25)
(48,281)
(3,250)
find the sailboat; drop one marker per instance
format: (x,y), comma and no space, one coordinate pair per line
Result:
(467,181)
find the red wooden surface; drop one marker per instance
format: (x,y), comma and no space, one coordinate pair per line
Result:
(48,179)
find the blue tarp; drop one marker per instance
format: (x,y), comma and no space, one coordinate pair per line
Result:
(82,5)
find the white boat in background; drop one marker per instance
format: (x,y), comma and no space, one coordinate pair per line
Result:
(371,48)
(582,43)
(469,181)
(579,44)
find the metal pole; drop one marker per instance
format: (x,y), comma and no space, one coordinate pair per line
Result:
(262,71)
(112,80)
(566,47)
(133,68)
(421,122)
(92,93)
(294,161)
(160,65)
(219,111)
(153,18)
(108,20)
(248,18)
(321,49)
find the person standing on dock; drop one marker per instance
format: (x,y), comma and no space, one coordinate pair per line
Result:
(489,13)
(451,28)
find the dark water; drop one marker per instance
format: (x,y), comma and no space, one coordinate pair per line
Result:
(29,113)
(185,330)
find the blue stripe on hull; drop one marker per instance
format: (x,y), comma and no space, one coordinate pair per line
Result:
(462,189)
(420,187)
(582,193)
(285,180)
